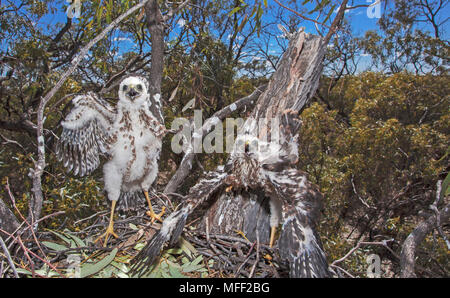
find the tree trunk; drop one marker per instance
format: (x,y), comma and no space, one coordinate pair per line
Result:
(155,25)
(8,222)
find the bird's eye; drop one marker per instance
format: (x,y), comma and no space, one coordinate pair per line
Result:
(139,87)
(125,87)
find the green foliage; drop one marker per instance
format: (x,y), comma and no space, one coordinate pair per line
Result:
(376,142)
(389,155)
(411,37)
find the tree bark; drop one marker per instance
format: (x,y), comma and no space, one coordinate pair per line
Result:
(8,222)
(155,25)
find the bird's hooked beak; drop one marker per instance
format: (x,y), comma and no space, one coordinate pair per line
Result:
(247,147)
(133,92)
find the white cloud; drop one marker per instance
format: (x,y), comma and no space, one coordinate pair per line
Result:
(181,23)
(122,39)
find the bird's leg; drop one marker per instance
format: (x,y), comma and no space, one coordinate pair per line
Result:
(151,213)
(272,235)
(110,229)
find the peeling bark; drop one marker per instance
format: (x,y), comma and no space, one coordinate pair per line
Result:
(8,222)
(155,25)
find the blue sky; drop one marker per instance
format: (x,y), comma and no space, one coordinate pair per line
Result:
(360,20)
(358,17)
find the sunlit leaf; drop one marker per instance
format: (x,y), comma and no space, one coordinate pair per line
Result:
(54,246)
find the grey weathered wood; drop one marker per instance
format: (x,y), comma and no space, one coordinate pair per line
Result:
(155,25)
(8,222)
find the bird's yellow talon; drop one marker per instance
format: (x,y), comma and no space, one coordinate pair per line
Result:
(110,228)
(109,231)
(229,188)
(151,213)
(155,216)
(242,234)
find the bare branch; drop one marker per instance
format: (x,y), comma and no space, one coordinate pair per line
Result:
(434,207)
(8,257)
(175,10)
(363,243)
(300,15)
(408,253)
(336,22)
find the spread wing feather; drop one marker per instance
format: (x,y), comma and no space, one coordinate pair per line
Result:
(85,134)
(299,243)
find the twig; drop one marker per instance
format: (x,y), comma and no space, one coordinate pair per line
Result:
(342,269)
(381,243)
(93,215)
(257,255)
(8,141)
(8,257)
(359,197)
(300,15)
(29,226)
(436,211)
(247,257)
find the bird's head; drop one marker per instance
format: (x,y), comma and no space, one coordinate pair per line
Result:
(243,163)
(134,89)
(246,145)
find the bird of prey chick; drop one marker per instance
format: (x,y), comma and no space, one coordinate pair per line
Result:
(129,135)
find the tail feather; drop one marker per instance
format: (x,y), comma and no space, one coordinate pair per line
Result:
(170,231)
(133,200)
(300,246)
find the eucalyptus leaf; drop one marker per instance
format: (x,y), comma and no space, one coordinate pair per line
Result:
(63,238)
(232,12)
(54,246)
(78,241)
(90,269)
